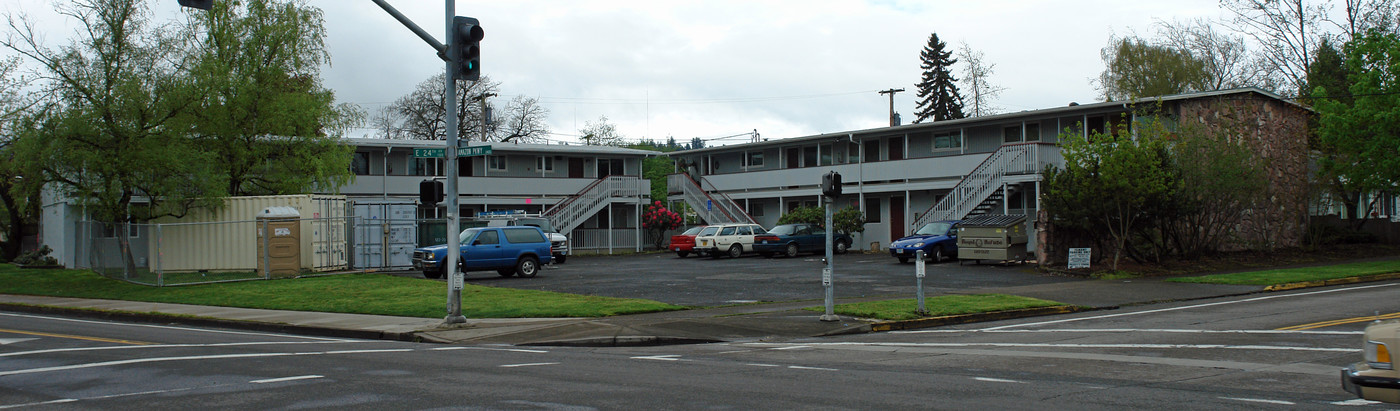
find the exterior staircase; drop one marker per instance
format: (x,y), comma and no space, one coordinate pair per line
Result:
(988,185)
(568,214)
(710,204)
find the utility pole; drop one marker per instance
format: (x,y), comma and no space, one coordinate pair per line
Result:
(891,92)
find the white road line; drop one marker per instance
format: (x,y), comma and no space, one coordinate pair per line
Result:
(989,379)
(488,349)
(799,367)
(1355,402)
(167,327)
(1129,330)
(8,341)
(795,347)
(764,365)
(284,379)
(139,347)
(532,364)
(1259,400)
(1188,307)
(184,358)
(659,357)
(32,404)
(1051,345)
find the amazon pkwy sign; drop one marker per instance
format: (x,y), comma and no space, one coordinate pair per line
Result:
(461,152)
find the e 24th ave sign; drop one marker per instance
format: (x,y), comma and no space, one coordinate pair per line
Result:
(461,152)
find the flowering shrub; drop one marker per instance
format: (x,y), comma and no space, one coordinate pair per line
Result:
(657,220)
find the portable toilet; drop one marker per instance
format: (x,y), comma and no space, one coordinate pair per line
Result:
(279,241)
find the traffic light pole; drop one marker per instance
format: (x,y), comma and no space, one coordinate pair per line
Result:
(454,246)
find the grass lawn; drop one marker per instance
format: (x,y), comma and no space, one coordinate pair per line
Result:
(1295,275)
(350,293)
(938,306)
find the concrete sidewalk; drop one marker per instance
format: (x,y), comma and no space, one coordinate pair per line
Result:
(758,322)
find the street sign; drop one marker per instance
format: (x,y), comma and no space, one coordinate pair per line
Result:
(472,151)
(1079,257)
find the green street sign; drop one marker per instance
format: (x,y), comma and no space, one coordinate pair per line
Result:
(429,152)
(461,152)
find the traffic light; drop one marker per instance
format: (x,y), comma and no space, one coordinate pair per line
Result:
(466,44)
(430,192)
(831,185)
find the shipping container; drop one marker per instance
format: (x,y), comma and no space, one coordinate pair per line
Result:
(226,239)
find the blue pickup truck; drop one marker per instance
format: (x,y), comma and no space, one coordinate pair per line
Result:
(514,250)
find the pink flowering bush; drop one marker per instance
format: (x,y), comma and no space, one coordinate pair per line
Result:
(657,220)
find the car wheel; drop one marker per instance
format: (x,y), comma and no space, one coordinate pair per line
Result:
(435,274)
(791,250)
(506,272)
(841,247)
(682,254)
(903,260)
(527,267)
(735,251)
(937,255)
(560,258)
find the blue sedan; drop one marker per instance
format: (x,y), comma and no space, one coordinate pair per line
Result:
(792,239)
(938,240)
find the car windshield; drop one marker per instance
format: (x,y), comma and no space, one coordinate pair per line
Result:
(708,231)
(466,234)
(939,228)
(693,230)
(783,230)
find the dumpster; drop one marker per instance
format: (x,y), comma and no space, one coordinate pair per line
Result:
(993,237)
(279,254)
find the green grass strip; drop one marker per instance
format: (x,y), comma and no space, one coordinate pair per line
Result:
(377,294)
(906,309)
(1297,275)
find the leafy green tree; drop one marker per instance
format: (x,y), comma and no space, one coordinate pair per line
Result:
(847,220)
(265,114)
(110,136)
(1362,135)
(938,89)
(18,194)
(1136,69)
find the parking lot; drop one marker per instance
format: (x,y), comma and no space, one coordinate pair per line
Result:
(695,281)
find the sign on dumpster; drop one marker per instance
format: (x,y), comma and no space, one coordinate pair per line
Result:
(1079,257)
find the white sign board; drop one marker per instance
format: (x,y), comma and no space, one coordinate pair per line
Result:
(1079,257)
(919,268)
(826,276)
(455,279)
(281,231)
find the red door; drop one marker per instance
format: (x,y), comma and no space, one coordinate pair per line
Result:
(896,218)
(575,168)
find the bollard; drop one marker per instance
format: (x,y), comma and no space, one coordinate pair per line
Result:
(919,280)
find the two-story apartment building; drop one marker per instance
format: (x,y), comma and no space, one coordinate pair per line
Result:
(904,176)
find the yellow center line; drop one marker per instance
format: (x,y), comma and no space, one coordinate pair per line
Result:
(1329,323)
(75,337)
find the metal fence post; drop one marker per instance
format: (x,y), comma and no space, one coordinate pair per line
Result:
(919,280)
(160,274)
(267,262)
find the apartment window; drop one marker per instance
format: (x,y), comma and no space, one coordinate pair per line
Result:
(756,209)
(872,151)
(947,141)
(872,210)
(825,155)
(544,163)
(425,167)
(753,159)
(109,230)
(809,156)
(360,164)
(1033,132)
(496,163)
(1012,134)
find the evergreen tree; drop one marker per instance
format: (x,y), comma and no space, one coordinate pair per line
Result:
(938,90)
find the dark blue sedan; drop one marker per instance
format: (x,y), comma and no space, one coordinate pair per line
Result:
(938,240)
(793,239)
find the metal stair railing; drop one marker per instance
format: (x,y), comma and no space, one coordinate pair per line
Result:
(724,210)
(987,178)
(568,214)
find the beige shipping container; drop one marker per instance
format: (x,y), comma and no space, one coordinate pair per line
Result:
(226,239)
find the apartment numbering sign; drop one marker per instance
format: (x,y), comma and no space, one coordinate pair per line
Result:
(472,151)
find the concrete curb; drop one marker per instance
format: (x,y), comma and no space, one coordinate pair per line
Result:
(164,318)
(1334,281)
(974,318)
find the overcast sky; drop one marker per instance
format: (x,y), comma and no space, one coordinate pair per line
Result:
(714,68)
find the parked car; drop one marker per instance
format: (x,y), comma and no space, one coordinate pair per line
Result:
(684,243)
(708,231)
(513,250)
(792,239)
(729,239)
(1376,378)
(938,240)
(558,242)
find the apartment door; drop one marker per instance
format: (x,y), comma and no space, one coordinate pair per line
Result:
(896,218)
(575,168)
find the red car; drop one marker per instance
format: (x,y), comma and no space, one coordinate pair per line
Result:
(684,243)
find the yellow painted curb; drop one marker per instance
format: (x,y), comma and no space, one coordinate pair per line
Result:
(971,318)
(1334,281)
